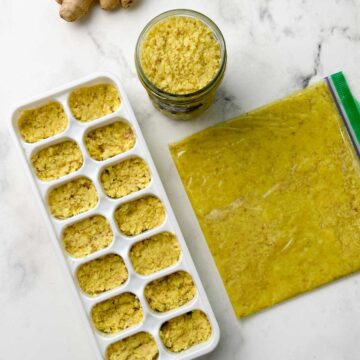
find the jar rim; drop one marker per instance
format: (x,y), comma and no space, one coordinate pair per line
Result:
(186,13)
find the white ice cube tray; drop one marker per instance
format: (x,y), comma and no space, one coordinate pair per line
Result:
(106,206)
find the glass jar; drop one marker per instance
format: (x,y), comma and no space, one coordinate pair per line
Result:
(182,106)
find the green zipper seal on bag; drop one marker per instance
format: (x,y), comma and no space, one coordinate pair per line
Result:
(348,106)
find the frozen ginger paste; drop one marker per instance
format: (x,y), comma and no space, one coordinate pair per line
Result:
(87,236)
(180,55)
(277,194)
(185,331)
(108,141)
(125,177)
(117,313)
(57,160)
(94,102)
(42,122)
(170,292)
(72,198)
(103,274)
(155,253)
(140,346)
(135,217)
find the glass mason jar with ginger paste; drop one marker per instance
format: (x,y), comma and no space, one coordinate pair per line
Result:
(181,59)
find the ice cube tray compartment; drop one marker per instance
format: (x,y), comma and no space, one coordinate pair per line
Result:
(106,206)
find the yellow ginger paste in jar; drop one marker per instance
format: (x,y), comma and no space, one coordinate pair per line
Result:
(180,55)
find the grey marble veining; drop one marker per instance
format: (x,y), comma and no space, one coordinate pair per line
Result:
(274,48)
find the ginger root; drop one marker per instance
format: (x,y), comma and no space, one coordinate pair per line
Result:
(126,3)
(71,10)
(113,4)
(109,4)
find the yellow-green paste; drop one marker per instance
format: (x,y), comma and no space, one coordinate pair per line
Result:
(126,177)
(110,140)
(277,194)
(42,122)
(57,160)
(170,292)
(155,253)
(93,102)
(140,346)
(117,313)
(137,216)
(87,236)
(185,331)
(103,274)
(180,55)
(72,198)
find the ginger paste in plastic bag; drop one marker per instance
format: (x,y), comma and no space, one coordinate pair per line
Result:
(277,194)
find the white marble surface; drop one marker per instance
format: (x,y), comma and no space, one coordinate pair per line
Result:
(274,47)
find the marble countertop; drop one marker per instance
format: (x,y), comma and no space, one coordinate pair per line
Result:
(274,48)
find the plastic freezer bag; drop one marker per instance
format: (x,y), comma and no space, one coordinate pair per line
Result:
(277,194)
